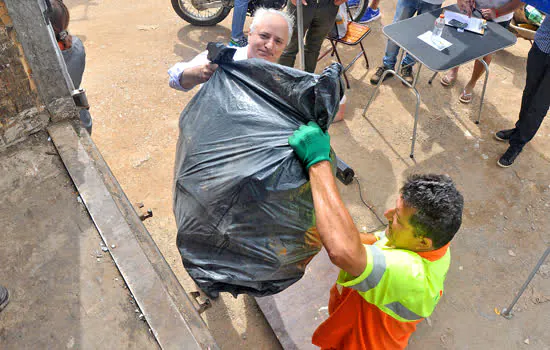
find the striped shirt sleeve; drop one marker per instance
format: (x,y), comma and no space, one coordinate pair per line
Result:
(542,36)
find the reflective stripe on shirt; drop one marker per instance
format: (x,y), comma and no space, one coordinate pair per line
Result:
(379,267)
(402,311)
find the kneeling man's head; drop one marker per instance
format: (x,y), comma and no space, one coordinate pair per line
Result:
(269,34)
(427,215)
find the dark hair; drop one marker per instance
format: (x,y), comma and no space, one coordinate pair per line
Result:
(60,18)
(438,207)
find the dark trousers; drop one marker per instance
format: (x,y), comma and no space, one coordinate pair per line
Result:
(319,19)
(536,97)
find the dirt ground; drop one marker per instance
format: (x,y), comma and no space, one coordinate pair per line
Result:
(130,46)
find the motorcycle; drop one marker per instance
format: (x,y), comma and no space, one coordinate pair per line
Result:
(212,12)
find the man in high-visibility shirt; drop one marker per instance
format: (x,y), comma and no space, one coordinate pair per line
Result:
(392,280)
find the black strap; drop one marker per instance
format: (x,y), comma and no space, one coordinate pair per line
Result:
(219,53)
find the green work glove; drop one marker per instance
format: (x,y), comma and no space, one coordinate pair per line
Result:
(311,144)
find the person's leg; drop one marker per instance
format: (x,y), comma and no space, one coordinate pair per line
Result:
(288,57)
(450,77)
(423,7)
(403,10)
(534,104)
(371,13)
(239,17)
(535,101)
(406,65)
(476,74)
(479,70)
(531,83)
(323,20)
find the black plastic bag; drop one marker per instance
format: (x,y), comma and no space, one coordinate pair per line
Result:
(242,200)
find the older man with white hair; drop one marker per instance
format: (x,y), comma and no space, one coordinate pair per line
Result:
(269,34)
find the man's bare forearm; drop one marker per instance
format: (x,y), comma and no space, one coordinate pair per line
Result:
(509,7)
(334,223)
(190,78)
(194,76)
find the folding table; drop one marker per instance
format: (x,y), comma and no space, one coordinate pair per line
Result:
(466,47)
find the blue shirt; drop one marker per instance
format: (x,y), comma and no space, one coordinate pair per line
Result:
(75,60)
(542,36)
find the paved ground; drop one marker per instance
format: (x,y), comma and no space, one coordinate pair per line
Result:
(65,291)
(506,218)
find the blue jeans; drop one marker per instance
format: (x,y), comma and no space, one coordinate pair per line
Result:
(239,16)
(405,9)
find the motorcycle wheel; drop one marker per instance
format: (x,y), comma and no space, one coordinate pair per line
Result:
(208,17)
(358,10)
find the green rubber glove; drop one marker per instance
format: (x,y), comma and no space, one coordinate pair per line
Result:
(311,144)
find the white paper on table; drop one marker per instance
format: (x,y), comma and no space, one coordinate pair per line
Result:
(427,38)
(476,25)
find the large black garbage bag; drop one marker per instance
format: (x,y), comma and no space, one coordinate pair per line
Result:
(242,201)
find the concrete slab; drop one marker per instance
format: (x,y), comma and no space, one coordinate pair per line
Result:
(65,291)
(295,313)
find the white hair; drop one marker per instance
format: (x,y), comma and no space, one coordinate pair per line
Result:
(261,12)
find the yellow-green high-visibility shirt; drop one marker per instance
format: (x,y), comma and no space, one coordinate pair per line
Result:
(380,308)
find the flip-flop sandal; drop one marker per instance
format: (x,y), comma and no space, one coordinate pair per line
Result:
(465,97)
(445,81)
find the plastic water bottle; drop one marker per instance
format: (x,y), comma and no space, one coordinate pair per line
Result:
(438,29)
(533,15)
